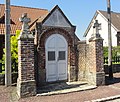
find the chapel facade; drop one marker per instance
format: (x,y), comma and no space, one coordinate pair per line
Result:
(51,52)
(55,48)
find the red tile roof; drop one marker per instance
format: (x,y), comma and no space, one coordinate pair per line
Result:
(16,12)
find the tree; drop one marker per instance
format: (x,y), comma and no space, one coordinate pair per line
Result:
(105,51)
(14,50)
(14,47)
(115,51)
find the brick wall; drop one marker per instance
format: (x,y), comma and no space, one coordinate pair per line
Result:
(90,62)
(98,69)
(82,70)
(26,85)
(26,59)
(43,34)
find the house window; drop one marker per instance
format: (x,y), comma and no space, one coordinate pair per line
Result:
(118,39)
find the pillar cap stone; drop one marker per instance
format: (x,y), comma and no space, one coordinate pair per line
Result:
(24,35)
(25,32)
(94,38)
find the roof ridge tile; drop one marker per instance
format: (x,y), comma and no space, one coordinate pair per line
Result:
(26,7)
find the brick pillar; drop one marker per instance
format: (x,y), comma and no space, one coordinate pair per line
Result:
(96,64)
(26,85)
(72,69)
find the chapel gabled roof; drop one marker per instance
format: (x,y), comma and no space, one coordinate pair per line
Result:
(115,20)
(16,12)
(56,7)
(42,19)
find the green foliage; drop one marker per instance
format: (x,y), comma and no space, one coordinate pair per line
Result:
(14,47)
(115,51)
(14,50)
(105,51)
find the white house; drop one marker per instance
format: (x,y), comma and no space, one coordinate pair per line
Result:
(101,16)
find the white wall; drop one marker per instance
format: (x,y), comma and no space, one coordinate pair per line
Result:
(104,31)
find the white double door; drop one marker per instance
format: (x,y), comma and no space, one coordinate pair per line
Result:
(56,58)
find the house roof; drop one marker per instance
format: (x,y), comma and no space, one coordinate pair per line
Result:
(16,12)
(115,20)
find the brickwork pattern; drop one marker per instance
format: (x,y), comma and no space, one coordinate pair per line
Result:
(100,58)
(81,61)
(43,34)
(26,85)
(26,60)
(90,63)
(47,31)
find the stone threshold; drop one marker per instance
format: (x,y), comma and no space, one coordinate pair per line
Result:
(82,86)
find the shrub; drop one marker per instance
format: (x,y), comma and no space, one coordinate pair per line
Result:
(14,50)
(115,51)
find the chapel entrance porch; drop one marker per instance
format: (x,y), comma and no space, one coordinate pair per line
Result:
(63,87)
(55,57)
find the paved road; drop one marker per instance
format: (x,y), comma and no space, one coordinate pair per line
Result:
(100,92)
(113,89)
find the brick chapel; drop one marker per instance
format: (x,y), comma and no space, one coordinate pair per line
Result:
(49,51)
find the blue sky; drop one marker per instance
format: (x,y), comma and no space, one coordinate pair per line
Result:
(79,12)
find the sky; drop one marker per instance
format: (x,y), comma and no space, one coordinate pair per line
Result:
(79,12)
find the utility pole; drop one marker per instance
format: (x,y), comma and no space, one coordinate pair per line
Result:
(109,40)
(7,45)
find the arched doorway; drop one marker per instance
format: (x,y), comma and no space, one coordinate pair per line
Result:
(56,49)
